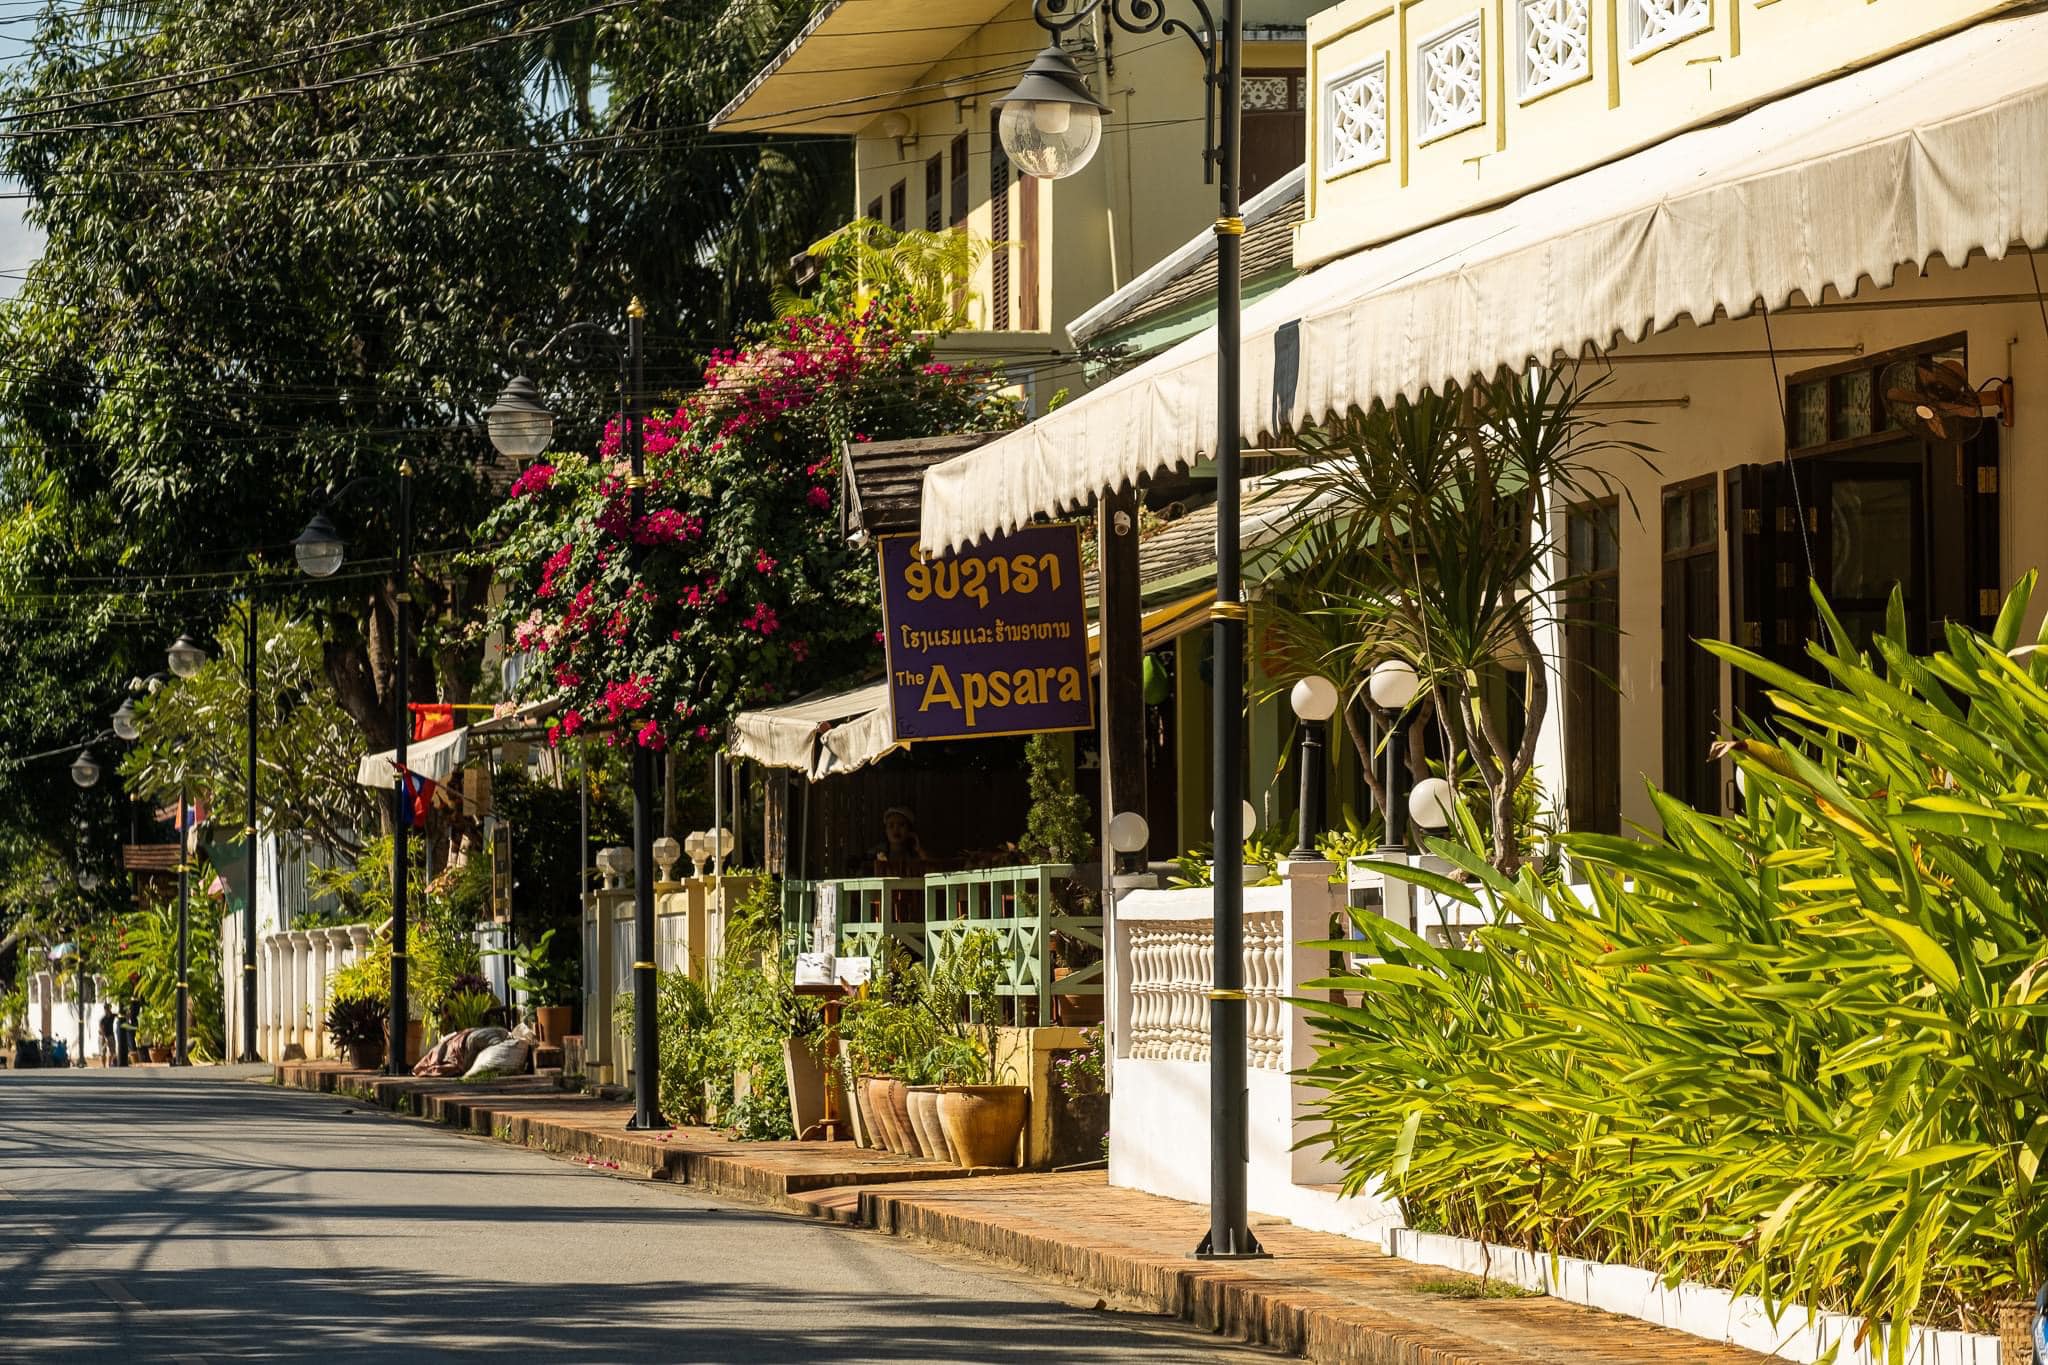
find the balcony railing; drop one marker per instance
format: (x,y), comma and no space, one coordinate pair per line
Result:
(1029,911)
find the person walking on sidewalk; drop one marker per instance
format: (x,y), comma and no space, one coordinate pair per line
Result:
(107,1034)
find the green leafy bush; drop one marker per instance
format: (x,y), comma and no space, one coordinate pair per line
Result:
(148,956)
(1798,1051)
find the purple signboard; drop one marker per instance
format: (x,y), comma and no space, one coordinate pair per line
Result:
(989,641)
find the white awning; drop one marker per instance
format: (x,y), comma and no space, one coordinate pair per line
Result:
(437,759)
(1941,151)
(809,735)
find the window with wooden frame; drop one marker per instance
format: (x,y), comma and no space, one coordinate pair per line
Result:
(935,192)
(874,213)
(1690,518)
(899,206)
(959,181)
(1275,128)
(998,229)
(1867,500)
(1592,664)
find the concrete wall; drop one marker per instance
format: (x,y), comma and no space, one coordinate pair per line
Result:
(1749,51)
(1160,1106)
(1139,199)
(1731,418)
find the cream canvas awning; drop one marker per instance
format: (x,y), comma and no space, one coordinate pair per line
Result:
(819,736)
(1941,151)
(437,759)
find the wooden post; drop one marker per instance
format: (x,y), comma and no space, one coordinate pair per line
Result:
(1123,669)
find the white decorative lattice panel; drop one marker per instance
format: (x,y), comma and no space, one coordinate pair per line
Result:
(1555,43)
(1269,93)
(1653,23)
(1450,81)
(1355,119)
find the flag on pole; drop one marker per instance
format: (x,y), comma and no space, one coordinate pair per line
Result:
(415,799)
(430,719)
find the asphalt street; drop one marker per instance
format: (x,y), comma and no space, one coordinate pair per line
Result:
(150,1215)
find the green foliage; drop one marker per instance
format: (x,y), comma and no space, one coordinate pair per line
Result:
(933,1025)
(737,1030)
(735,587)
(690,1072)
(1431,521)
(357,1022)
(147,960)
(1056,826)
(441,944)
(920,276)
(546,976)
(195,739)
(464,1009)
(1798,1051)
(1197,866)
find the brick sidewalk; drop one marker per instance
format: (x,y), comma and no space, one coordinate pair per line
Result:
(1327,1298)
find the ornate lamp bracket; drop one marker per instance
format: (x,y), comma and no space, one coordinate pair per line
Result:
(1138,17)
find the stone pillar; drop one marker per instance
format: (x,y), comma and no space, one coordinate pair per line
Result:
(322,943)
(301,948)
(1312,898)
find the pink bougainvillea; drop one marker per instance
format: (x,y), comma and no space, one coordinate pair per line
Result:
(648,628)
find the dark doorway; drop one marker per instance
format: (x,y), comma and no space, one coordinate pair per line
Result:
(1883,508)
(1692,612)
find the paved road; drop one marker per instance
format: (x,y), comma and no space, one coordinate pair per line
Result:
(151,1216)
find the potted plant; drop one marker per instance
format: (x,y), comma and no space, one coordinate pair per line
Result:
(551,983)
(981,1118)
(157,1025)
(356,1024)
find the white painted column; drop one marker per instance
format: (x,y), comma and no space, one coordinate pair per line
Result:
(301,948)
(1311,900)
(321,942)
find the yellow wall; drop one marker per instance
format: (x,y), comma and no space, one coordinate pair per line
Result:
(1141,197)
(1732,419)
(1749,52)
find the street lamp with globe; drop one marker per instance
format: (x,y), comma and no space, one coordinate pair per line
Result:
(1314,700)
(1050,125)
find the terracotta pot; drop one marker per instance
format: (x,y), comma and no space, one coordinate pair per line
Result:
(982,1122)
(413,1028)
(924,1117)
(160,1054)
(367,1056)
(553,1022)
(865,1133)
(920,1141)
(881,1121)
(896,1099)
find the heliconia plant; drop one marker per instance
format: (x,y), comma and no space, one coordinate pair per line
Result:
(1798,1051)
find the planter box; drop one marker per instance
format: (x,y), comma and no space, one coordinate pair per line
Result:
(1695,1309)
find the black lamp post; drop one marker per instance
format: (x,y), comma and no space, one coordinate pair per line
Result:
(320,553)
(1314,700)
(1393,686)
(521,426)
(186,657)
(1050,126)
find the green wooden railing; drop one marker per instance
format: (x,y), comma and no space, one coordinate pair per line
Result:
(1024,908)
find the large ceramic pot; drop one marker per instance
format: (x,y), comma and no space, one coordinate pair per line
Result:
(865,1131)
(924,1118)
(553,1023)
(982,1122)
(896,1098)
(881,1120)
(367,1056)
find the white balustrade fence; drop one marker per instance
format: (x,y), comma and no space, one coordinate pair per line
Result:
(1164,957)
(292,971)
(689,934)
